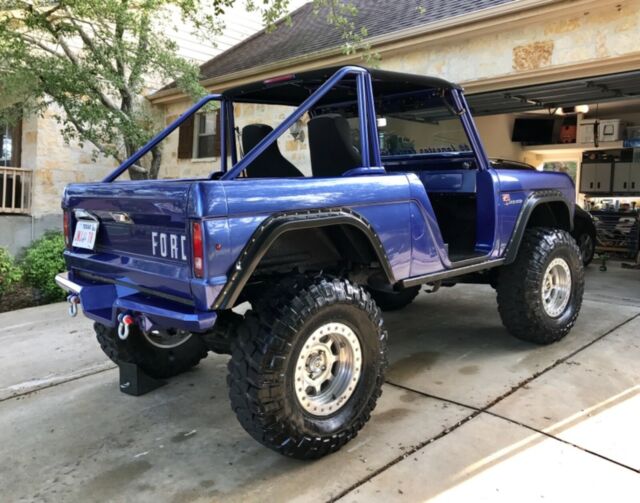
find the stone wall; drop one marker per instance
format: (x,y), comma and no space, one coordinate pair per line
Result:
(586,36)
(55,163)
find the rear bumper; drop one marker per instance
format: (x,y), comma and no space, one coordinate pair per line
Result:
(103,303)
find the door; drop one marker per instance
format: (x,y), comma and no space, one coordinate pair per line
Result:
(603,177)
(621,177)
(634,177)
(588,177)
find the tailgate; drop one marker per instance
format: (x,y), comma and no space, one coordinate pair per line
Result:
(143,235)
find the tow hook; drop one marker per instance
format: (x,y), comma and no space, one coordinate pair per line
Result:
(73,301)
(124,322)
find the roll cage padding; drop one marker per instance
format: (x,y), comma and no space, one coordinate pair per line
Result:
(533,201)
(275,226)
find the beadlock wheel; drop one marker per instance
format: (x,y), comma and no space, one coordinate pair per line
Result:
(328,369)
(556,287)
(540,293)
(307,366)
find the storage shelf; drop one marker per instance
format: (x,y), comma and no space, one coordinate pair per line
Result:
(575,147)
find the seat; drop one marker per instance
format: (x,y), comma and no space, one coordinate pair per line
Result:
(331,146)
(271,163)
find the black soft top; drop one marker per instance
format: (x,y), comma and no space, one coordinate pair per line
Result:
(294,88)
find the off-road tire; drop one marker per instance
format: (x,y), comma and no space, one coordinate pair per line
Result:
(586,241)
(264,358)
(519,287)
(157,362)
(220,338)
(392,301)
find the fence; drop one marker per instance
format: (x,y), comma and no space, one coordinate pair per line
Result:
(15,190)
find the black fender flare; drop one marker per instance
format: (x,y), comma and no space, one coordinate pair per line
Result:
(276,225)
(534,200)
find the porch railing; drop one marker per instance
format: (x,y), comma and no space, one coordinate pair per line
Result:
(15,190)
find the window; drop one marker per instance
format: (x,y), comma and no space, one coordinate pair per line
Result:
(568,167)
(200,136)
(207,135)
(418,123)
(10,140)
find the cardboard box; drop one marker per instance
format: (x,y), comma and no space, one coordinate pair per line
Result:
(611,130)
(608,130)
(585,131)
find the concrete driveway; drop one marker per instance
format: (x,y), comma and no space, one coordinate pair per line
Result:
(467,412)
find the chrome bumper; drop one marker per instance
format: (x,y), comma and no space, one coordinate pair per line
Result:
(63,281)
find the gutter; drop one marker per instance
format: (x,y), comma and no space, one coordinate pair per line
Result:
(493,19)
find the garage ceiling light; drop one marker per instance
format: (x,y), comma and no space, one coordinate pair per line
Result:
(578,109)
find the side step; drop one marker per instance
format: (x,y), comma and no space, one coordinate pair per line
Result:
(451,273)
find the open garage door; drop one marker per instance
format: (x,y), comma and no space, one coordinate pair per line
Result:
(568,93)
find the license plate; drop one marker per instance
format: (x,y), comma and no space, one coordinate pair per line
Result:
(85,234)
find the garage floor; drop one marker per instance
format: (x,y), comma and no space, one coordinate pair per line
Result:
(467,412)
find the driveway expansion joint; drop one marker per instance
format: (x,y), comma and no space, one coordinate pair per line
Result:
(477,411)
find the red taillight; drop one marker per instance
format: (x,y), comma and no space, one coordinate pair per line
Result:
(66,224)
(198,250)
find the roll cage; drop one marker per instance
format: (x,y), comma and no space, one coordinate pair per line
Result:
(308,91)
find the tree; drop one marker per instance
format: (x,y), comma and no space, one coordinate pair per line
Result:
(92,58)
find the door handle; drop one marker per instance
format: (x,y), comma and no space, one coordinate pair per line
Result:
(624,185)
(633,185)
(591,185)
(598,184)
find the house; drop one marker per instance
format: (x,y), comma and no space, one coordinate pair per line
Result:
(36,164)
(517,59)
(520,61)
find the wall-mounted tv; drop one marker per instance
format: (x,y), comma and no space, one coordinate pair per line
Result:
(533,131)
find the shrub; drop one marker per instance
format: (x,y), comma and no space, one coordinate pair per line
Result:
(42,261)
(9,272)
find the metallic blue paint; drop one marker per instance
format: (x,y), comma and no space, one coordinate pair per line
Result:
(125,273)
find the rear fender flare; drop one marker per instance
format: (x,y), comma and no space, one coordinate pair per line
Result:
(274,227)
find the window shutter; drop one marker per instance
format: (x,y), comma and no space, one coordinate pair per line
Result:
(216,136)
(185,139)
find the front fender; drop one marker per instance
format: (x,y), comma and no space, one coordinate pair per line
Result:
(534,200)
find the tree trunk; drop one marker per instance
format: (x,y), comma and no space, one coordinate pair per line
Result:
(135,174)
(156,160)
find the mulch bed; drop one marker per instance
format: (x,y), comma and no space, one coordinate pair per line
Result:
(19,296)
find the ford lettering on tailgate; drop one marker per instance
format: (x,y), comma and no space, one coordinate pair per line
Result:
(167,245)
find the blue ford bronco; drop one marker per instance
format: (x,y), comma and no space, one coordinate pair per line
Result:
(398,194)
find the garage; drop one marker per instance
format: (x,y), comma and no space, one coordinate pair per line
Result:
(588,128)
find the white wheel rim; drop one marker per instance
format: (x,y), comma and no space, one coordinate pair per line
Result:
(328,369)
(556,287)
